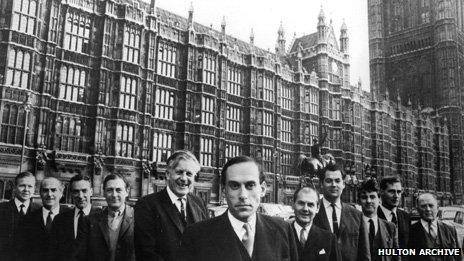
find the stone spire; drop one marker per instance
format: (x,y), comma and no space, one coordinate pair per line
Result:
(344,41)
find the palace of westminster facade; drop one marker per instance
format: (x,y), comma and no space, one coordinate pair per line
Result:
(115,86)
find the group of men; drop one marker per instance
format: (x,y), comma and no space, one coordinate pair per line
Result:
(173,224)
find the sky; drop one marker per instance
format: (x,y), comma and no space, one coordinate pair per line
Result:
(297,16)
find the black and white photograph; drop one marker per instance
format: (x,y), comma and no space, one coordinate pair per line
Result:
(220,130)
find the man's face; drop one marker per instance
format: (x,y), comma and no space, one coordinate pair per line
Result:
(427,207)
(81,193)
(243,191)
(25,188)
(369,203)
(305,207)
(181,178)
(332,185)
(51,192)
(391,196)
(116,193)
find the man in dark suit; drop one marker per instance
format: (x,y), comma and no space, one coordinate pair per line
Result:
(67,227)
(341,219)
(240,233)
(382,234)
(390,193)
(313,242)
(110,234)
(38,225)
(161,218)
(430,232)
(12,214)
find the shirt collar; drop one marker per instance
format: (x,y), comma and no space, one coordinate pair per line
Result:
(86,210)
(174,198)
(120,210)
(387,211)
(425,224)
(374,218)
(18,204)
(237,225)
(55,211)
(338,203)
(298,228)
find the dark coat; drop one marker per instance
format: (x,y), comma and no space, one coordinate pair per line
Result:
(97,237)
(36,237)
(388,239)
(158,228)
(10,221)
(352,239)
(215,239)
(446,233)
(321,245)
(404,221)
(64,246)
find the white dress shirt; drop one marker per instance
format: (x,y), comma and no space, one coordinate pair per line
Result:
(434,225)
(76,216)
(367,225)
(175,200)
(298,229)
(18,204)
(388,213)
(237,225)
(115,222)
(328,211)
(55,211)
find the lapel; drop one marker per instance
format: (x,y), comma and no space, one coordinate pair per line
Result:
(68,219)
(265,240)
(419,234)
(127,221)
(344,216)
(39,218)
(193,208)
(225,240)
(380,213)
(297,237)
(441,233)
(103,224)
(171,210)
(323,220)
(384,235)
(313,237)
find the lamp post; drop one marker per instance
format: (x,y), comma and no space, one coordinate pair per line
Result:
(27,108)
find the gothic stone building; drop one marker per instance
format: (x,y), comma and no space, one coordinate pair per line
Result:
(416,53)
(115,86)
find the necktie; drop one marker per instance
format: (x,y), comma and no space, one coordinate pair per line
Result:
(303,236)
(371,236)
(113,222)
(80,222)
(334,220)
(48,224)
(21,210)
(394,220)
(182,210)
(432,231)
(248,239)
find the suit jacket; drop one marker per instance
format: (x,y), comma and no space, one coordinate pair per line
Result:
(158,228)
(64,246)
(97,237)
(388,234)
(36,237)
(215,239)
(446,233)
(352,239)
(321,245)
(10,221)
(404,221)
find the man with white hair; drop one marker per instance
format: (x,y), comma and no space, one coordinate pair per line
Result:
(430,232)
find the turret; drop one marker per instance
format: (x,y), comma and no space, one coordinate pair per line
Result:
(252,37)
(280,46)
(190,18)
(344,42)
(321,26)
(223,26)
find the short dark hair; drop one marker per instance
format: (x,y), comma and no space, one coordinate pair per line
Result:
(25,174)
(79,177)
(237,160)
(295,195)
(369,185)
(116,176)
(331,166)
(388,180)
